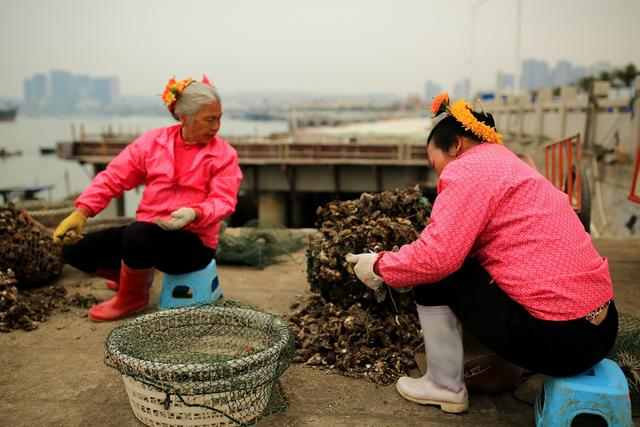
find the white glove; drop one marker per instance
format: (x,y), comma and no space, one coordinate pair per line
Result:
(364,269)
(179,219)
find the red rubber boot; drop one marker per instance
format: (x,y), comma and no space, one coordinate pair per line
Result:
(132,296)
(112,276)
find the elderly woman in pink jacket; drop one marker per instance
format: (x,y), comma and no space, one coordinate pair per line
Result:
(506,255)
(191,179)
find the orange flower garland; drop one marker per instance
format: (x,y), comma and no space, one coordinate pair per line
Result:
(173,90)
(461,110)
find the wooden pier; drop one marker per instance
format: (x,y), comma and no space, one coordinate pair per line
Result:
(297,149)
(278,170)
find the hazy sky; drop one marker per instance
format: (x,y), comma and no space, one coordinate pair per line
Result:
(328,46)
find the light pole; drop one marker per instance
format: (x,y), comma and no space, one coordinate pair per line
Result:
(474,9)
(518,77)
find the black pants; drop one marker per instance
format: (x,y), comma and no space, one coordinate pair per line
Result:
(140,245)
(557,348)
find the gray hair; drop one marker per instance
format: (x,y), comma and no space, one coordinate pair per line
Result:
(194,97)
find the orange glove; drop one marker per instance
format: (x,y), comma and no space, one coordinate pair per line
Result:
(70,229)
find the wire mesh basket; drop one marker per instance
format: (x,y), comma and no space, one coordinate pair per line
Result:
(215,364)
(47,212)
(93,224)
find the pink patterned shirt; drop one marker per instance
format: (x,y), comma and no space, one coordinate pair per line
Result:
(495,208)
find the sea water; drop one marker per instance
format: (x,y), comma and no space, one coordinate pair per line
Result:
(30,168)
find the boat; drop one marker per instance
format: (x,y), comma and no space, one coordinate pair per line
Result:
(6,153)
(8,114)
(47,150)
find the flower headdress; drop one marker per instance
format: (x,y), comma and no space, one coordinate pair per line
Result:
(174,88)
(461,111)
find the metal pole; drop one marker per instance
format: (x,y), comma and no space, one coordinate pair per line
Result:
(518,76)
(474,9)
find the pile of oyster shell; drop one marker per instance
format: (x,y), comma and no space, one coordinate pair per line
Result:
(355,341)
(374,222)
(27,308)
(344,327)
(29,259)
(27,248)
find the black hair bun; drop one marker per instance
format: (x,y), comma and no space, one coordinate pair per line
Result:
(486,118)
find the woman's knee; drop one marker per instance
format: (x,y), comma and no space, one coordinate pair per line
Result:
(140,244)
(139,235)
(76,256)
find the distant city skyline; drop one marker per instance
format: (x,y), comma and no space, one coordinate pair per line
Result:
(536,74)
(338,47)
(64,91)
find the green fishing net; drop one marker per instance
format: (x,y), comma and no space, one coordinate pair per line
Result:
(258,243)
(218,363)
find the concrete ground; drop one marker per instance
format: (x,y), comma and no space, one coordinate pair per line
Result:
(54,376)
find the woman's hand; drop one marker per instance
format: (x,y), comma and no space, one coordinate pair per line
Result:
(179,219)
(364,269)
(70,229)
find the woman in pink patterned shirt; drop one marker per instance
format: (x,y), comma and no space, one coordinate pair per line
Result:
(191,179)
(506,255)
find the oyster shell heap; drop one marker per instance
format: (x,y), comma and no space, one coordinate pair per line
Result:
(355,342)
(30,257)
(377,222)
(26,309)
(342,327)
(27,248)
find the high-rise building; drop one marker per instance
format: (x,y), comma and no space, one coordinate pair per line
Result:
(461,89)
(431,90)
(535,74)
(563,73)
(505,82)
(30,100)
(83,86)
(35,92)
(63,96)
(106,90)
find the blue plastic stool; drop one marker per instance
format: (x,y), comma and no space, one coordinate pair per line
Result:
(601,391)
(203,285)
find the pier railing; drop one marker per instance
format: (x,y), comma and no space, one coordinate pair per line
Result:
(295,150)
(563,167)
(633,194)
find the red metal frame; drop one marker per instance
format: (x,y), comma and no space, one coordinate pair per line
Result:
(632,194)
(558,171)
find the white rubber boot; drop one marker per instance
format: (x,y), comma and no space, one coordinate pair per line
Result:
(443,384)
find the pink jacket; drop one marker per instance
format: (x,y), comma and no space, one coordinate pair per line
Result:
(211,184)
(494,207)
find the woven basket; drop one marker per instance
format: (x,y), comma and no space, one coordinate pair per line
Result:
(149,406)
(170,371)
